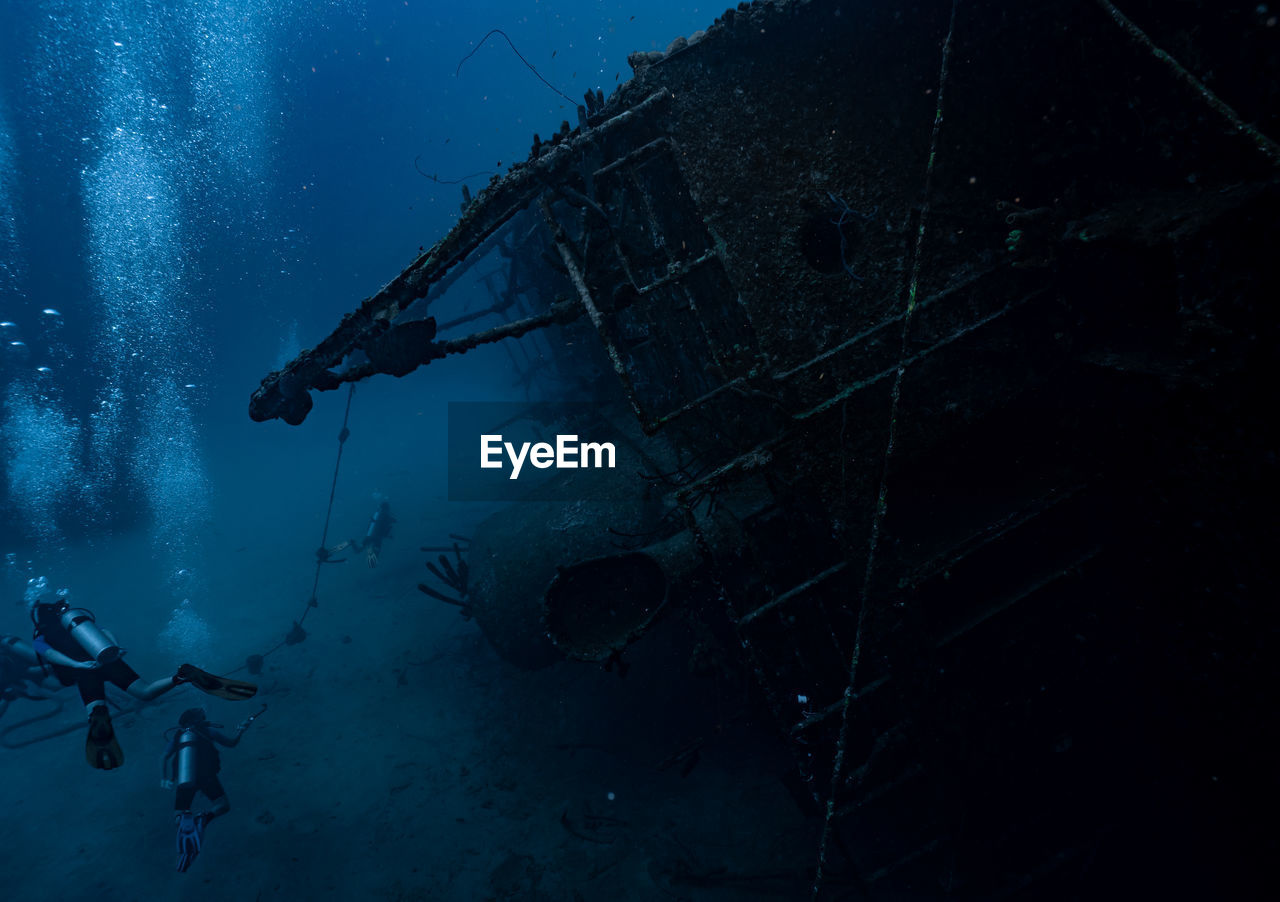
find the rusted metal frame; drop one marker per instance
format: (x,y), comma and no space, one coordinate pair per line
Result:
(517,292)
(677,271)
(623,262)
(560,312)
(516,295)
(754,658)
(396,296)
(713,345)
(984,616)
(447,280)
(526,185)
(881,507)
(740,382)
(515,364)
(919,852)
(737,384)
(623,166)
(758,456)
(631,156)
(837,706)
(883,324)
(993,533)
(1263,143)
(490,277)
(511,195)
(913,772)
(579,201)
(793,593)
(651,215)
(650,423)
(658,422)
(502,302)
(785,598)
(505,250)
(906,362)
(576,198)
(559,239)
(501,307)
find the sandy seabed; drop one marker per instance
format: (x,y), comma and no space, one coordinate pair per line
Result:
(400,758)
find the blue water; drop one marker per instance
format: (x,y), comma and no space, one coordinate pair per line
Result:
(201,189)
(190,193)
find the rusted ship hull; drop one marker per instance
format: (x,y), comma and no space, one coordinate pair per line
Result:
(960,310)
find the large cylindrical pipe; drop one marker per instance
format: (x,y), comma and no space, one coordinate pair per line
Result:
(595,608)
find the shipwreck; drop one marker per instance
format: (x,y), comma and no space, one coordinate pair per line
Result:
(944,329)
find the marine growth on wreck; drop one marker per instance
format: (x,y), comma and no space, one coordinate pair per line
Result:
(935,334)
(879,503)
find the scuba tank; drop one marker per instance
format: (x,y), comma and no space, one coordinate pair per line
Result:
(379,524)
(188,757)
(80,625)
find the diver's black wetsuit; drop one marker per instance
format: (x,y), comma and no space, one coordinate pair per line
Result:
(50,633)
(379,529)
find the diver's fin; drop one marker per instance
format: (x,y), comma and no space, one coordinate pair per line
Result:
(190,836)
(223,687)
(100,746)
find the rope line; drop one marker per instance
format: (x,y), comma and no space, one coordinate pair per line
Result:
(321,553)
(503,34)
(134,706)
(328,514)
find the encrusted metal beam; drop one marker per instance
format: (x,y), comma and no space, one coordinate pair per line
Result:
(589,304)
(284,394)
(787,596)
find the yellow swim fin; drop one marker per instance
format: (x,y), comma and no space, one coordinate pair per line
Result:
(100,746)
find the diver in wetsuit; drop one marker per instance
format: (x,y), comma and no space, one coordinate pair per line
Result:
(191,764)
(379,529)
(80,653)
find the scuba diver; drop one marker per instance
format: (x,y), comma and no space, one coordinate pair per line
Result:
(80,653)
(379,529)
(191,764)
(19,666)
